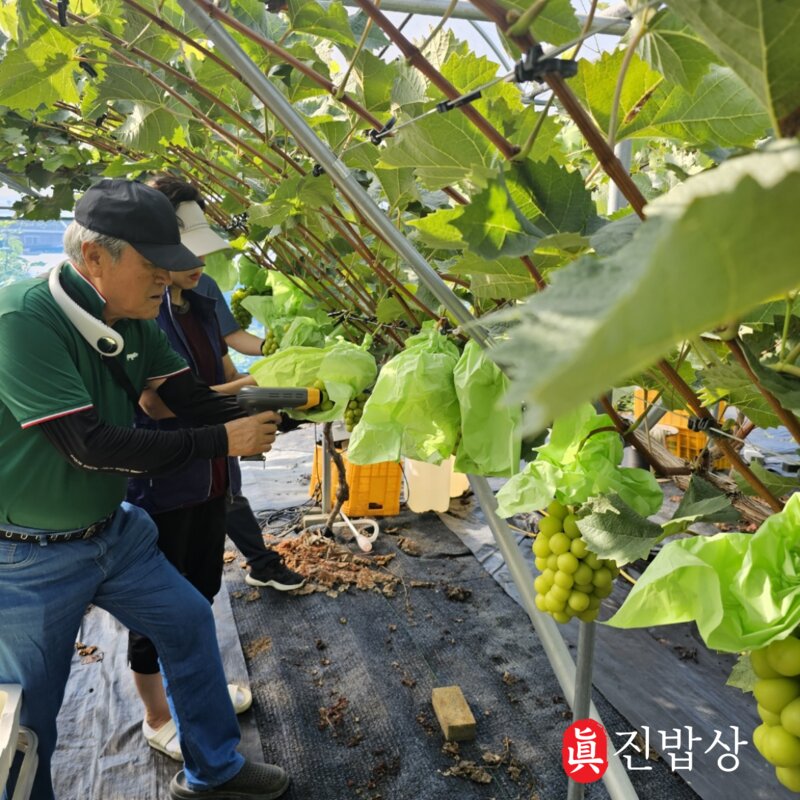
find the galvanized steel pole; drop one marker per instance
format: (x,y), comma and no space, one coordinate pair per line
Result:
(616,779)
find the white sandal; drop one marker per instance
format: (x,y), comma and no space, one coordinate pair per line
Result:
(241,697)
(165,739)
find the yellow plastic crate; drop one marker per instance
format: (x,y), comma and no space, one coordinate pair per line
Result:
(685,443)
(374,488)
(689,444)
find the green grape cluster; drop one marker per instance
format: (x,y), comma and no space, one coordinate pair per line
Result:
(777,693)
(271,342)
(573,580)
(326,404)
(242,316)
(355,410)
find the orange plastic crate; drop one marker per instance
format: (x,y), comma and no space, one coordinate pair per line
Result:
(374,488)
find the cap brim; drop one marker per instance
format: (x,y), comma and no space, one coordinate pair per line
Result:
(174,257)
(203,241)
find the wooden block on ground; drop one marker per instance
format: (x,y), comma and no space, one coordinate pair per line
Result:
(453,713)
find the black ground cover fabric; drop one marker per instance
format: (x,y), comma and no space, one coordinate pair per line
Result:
(342,685)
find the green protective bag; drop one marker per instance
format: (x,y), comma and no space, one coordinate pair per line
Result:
(345,369)
(303,332)
(742,590)
(490,441)
(413,409)
(577,464)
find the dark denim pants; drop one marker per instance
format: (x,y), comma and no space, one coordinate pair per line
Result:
(44,592)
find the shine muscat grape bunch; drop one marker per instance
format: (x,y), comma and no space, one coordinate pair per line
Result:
(242,316)
(355,410)
(573,580)
(271,342)
(777,693)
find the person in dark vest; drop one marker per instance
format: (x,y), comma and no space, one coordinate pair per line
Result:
(266,567)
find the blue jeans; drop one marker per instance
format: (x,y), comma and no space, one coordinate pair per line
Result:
(44,592)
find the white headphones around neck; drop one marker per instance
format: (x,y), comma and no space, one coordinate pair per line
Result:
(100,336)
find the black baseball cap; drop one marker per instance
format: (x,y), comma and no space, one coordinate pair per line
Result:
(141,216)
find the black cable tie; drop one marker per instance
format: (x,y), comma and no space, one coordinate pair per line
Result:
(318,170)
(449,105)
(703,424)
(62,12)
(533,66)
(87,68)
(377,136)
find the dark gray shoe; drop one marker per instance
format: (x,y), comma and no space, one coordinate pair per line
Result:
(254,782)
(278,576)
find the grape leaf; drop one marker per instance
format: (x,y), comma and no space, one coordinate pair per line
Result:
(742,675)
(330,23)
(442,149)
(493,226)
(730,382)
(556,22)
(720,111)
(672,48)
(692,259)
(614,530)
(552,197)
(701,502)
(437,229)
(758,40)
(40,72)
(779,485)
(499,279)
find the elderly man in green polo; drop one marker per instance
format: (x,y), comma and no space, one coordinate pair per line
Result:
(75,353)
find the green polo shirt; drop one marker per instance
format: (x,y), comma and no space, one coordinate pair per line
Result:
(48,370)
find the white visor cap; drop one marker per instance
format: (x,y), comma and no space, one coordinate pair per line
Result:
(196,233)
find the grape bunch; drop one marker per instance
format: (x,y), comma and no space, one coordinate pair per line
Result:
(354,411)
(573,580)
(242,316)
(777,693)
(326,404)
(271,342)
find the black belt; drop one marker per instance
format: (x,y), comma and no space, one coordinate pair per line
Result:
(85,533)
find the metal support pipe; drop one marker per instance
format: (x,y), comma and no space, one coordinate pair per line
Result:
(334,168)
(616,779)
(581,707)
(616,200)
(465,10)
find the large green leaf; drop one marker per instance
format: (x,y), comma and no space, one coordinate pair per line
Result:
(596,82)
(438,229)
(498,279)
(731,383)
(614,530)
(553,198)
(721,111)
(330,23)
(758,40)
(779,485)
(701,502)
(556,23)
(672,48)
(375,78)
(493,226)
(39,69)
(443,149)
(689,267)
